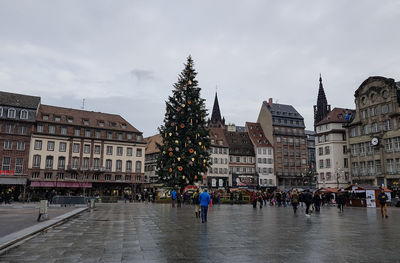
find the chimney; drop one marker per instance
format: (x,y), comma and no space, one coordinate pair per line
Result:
(270,102)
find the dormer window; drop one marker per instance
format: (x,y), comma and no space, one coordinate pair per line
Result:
(123,126)
(45,117)
(11,113)
(70,119)
(139,138)
(113,124)
(86,122)
(57,118)
(24,115)
(129,136)
(101,123)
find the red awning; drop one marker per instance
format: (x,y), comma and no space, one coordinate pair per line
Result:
(62,184)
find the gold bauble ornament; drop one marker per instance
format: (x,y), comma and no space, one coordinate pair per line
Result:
(176,141)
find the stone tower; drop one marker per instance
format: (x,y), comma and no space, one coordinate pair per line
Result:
(322,108)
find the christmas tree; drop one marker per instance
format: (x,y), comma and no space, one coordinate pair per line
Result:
(183,154)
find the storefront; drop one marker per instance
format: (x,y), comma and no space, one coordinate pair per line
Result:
(217,182)
(13,188)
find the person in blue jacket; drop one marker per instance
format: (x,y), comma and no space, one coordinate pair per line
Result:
(173,197)
(204,199)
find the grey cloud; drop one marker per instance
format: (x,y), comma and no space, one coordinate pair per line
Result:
(141,74)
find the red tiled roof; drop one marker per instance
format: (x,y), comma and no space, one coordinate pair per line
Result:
(111,121)
(217,137)
(337,115)
(151,143)
(257,135)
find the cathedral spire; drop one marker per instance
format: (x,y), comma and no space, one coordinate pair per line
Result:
(216,120)
(322,108)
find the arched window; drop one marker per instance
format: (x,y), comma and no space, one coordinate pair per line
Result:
(11,113)
(24,115)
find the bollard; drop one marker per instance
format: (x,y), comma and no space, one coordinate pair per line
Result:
(92,203)
(43,209)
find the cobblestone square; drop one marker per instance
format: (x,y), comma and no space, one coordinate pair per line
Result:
(158,233)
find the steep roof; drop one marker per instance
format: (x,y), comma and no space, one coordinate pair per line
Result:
(337,115)
(286,112)
(216,119)
(19,100)
(239,143)
(111,121)
(151,143)
(257,135)
(217,137)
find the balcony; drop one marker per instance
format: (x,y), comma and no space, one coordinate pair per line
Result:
(73,167)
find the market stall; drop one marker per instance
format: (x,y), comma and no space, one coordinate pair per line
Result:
(365,195)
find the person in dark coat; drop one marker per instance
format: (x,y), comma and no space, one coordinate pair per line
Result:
(307,199)
(317,202)
(278,197)
(382,197)
(295,200)
(341,200)
(254,200)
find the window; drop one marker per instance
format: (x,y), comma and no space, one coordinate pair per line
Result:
(75,162)
(88,133)
(85,122)
(76,148)
(101,123)
(7,145)
(128,178)
(60,176)
(20,146)
(129,136)
(49,162)
(344,149)
(61,162)
(139,138)
(6,164)
(109,150)
(86,148)
(107,177)
(118,177)
(85,163)
(35,175)
(50,146)
(63,146)
(77,132)
(52,129)
(328,163)
(390,166)
(39,128)
(139,152)
(96,177)
(10,129)
(128,166)
(97,149)
(321,163)
(119,151)
(387,125)
(138,167)
(96,163)
(328,176)
(74,176)
(48,175)
(321,151)
(70,119)
(374,127)
(64,130)
(36,160)
(353,132)
(129,151)
(119,136)
(119,165)
(388,145)
(397,144)
(11,113)
(22,130)
(346,163)
(109,135)
(97,134)
(108,164)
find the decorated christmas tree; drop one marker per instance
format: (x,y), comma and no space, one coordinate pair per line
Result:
(183,154)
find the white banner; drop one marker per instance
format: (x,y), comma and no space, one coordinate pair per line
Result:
(370,197)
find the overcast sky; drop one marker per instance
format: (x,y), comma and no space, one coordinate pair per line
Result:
(124,56)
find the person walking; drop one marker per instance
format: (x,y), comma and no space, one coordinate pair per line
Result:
(307,199)
(382,197)
(295,200)
(205,200)
(317,202)
(173,197)
(341,200)
(178,198)
(260,199)
(254,200)
(196,203)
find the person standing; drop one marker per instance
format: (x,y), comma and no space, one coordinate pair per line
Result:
(196,203)
(254,200)
(307,199)
(382,197)
(179,198)
(295,200)
(341,200)
(173,197)
(205,200)
(317,202)
(260,199)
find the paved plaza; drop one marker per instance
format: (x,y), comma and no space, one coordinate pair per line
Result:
(158,233)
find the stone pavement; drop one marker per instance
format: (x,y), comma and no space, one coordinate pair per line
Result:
(18,216)
(159,233)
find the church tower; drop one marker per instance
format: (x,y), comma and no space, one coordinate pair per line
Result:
(216,120)
(322,108)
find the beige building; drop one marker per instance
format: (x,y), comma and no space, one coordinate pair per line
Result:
(76,149)
(374,134)
(152,153)
(332,157)
(218,173)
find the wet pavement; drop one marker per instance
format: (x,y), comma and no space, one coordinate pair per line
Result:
(159,233)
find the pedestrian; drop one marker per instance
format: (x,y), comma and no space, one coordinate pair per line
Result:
(307,199)
(295,200)
(173,197)
(178,198)
(382,197)
(260,199)
(205,200)
(341,200)
(196,203)
(278,198)
(284,199)
(240,197)
(254,200)
(265,199)
(317,202)
(231,198)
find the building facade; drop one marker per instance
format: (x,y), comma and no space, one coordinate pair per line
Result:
(152,152)
(17,120)
(264,155)
(374,134)
(311,157)
(332,157)
(322,108)
(76,150)
(218,173)
(284,127)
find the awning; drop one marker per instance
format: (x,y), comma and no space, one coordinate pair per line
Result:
(61,184)
(12,181)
